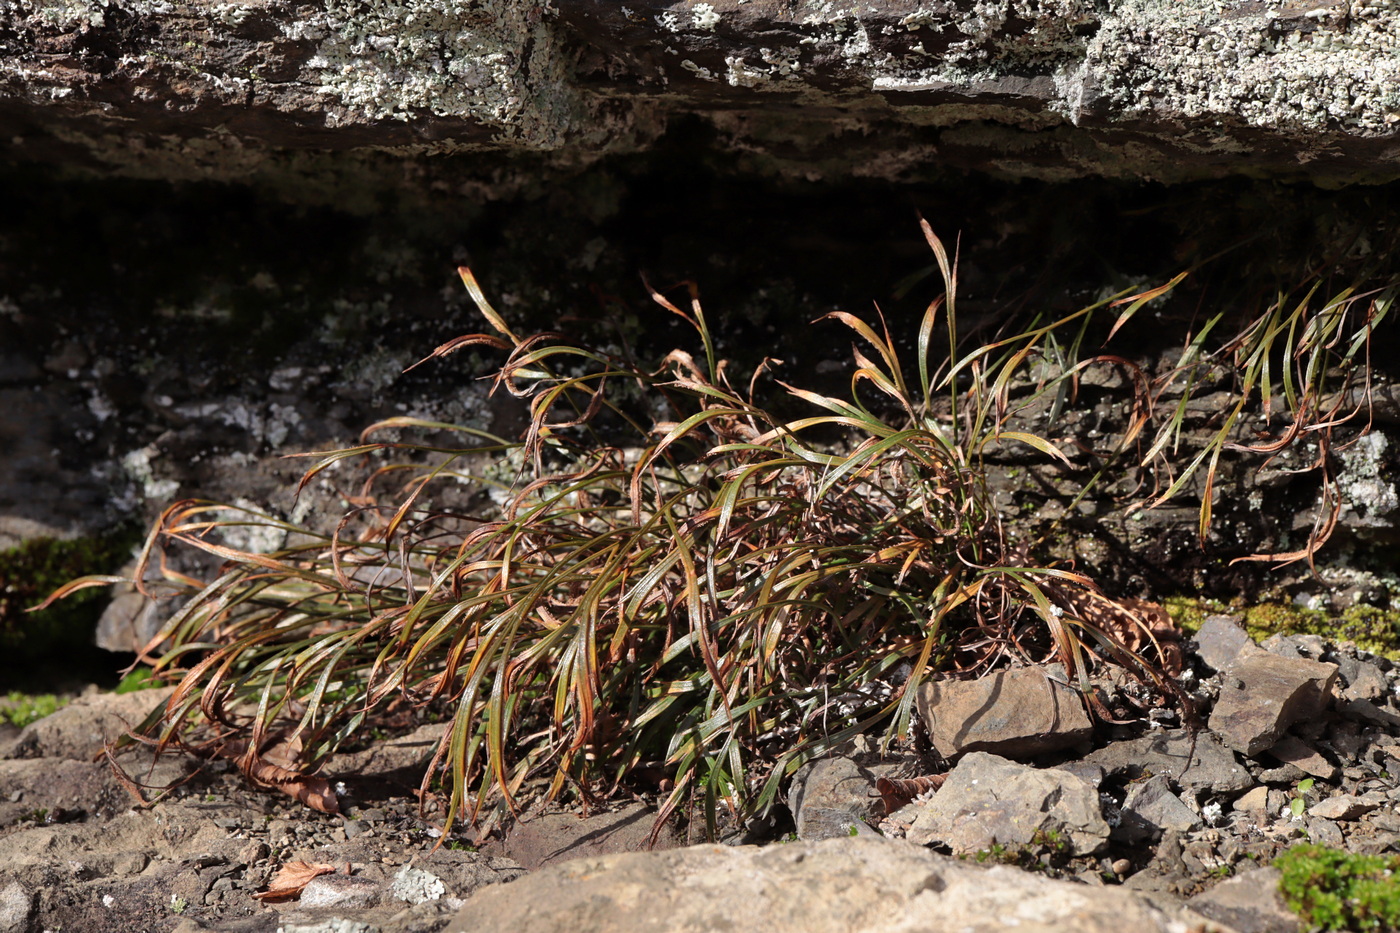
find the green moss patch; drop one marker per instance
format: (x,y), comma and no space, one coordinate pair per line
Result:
(1335,890)
(1369,627)
(31,572)
(20,709)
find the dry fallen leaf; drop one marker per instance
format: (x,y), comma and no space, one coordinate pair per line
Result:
(895,793)
(291,878)
(265,769)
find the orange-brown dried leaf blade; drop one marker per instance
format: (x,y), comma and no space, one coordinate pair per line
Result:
(315,792)
(896,793)
(291,878)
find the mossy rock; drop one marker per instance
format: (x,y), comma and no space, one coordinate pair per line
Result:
(1368,627)
(33,570)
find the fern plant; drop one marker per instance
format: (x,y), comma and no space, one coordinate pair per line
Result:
(715,594)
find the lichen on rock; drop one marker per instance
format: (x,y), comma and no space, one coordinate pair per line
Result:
(492,62)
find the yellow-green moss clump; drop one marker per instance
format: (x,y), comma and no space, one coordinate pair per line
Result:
(38,567)
(1370,628)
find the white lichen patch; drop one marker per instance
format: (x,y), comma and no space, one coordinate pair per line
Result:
(776,65)
(704,17)
(268,425)
(970,45)
(137,466)
(89,13)
(1362,481)
(492,61)
(1274,67)
(697,70)
(252,529)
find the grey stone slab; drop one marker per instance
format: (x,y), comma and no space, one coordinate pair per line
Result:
(1249,903)
(1198,763)
(1262,694)
(1154,802)
(1018,713)
(988,800)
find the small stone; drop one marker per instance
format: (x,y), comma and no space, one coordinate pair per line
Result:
(416,886)
(1219,640)
(1340,807)
(1262,694)
(280,833)
(1248,902)
(1365,711)
(1294,647)
(343,892)
(1121,867)
(1153,802)
(1087,771)
(1363,680)
(16,908)
(988,800)
(832,798)
(356,828)
(1290,750)
(1254,801)
(130,863)
(1197,763)
(252,852)
(1326,833)
(1347,741)
(1283,774)
(1019,712)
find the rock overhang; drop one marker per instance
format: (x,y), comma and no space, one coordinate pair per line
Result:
(1163,90)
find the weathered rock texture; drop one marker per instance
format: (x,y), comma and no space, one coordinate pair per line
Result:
(989,801)
(1016,712)
(1042,88)
(837,885)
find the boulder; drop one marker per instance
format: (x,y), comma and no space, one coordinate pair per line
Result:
(823,887)
(80,729)
(1052,89)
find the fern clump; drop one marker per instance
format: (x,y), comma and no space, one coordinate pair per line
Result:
(682,595)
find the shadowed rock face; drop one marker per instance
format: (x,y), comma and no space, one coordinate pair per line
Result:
(1049,89)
